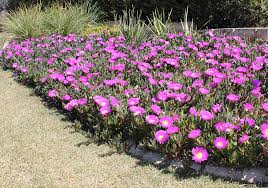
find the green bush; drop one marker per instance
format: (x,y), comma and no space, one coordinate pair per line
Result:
(160,23)
(132,27)
(64,20)
(218,13)
(57,18)
(25,22)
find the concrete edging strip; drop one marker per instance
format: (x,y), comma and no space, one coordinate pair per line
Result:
(248,175)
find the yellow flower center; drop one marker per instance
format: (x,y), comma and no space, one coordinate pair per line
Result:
(165,122)
(160,137)
(199,155)
(266,132)
(220,144)
(103,103)
(136,113)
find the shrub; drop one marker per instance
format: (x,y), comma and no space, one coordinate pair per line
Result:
(202,98)
(132,27)
(25,22)
(160,23)
(63,19)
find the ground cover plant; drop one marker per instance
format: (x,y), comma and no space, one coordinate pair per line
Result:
(200,98)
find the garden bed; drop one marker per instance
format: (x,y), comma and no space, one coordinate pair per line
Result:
(201,99)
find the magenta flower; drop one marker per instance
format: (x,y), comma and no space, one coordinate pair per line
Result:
(136,110)
(265,106)
(221,126)
(101,101)
(161,136)
(248,107)
(162,96)
(187,73)
(133,101)
(156,109)
(166,121)
(152,119)
(105,110)
(206,115)
(195,75)
(114,101)
(52,93)
(66,97)
(244,138)
(194,134)
(70,105)
(174,86)
(204,91)
(200,154)
(264,130)
(250,121)
(172,130)
(216,108)
(232,98)
(193,111)
(82,101)
(220,143)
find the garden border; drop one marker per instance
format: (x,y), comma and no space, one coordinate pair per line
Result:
(256,175)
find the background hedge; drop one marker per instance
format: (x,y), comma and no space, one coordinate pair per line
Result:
(218,13)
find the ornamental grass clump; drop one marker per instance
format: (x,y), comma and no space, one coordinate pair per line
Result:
(202,99)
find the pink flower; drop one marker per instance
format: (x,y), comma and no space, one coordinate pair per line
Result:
(193,111)
(265,106)
(204,91)
(172,130)
(220,143)
(206,115)
(105,110)
(152,119)
(52,93)
(174,86)
(216,108)
(200,154)
(161,136)
(133,101)
(232,98)
(194,134)
(66,97)
(70,105)
(114,101)
(195,75)
(101,101)
(156,109)
(243,139)
(82,101)
(24,69)
(166,121)
(136,110)
(221,126)
(187,73)
(250,121)
(248,106)
(264,130)
(162,96)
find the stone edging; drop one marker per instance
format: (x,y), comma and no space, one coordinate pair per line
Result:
(247,175)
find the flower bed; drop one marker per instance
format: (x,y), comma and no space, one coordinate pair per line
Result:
(202,99)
